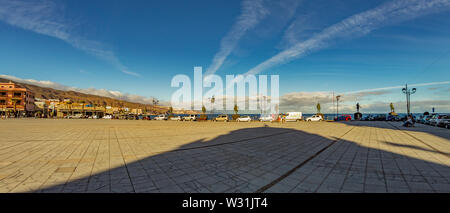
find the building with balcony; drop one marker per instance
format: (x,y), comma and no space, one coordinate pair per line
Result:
(65,109)
(15,99)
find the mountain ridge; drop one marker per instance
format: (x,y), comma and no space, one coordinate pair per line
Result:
(50,93)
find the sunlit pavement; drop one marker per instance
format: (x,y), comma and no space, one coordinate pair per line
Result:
(168,156)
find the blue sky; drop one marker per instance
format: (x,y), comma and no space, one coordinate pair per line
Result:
(136,47)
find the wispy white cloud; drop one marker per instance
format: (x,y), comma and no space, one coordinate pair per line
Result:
(306,103)
(45,17)
(92,91)
(369,98)
(83,71)
(417,106)
(355,26)
(398,87)
(253,11)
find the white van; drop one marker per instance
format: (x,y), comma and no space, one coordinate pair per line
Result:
(294,116)
(267,117)
(161,117)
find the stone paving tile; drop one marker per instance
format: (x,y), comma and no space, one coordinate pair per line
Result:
(151,156)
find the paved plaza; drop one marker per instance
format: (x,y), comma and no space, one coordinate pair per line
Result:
(168,156)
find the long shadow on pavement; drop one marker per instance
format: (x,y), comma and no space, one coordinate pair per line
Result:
(268,159)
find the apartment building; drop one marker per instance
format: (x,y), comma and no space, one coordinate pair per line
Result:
(14,98)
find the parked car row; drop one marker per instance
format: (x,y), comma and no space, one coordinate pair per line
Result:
(188,118)
(435,120)
(81,116)
(290,116)
(175,118)
(343,118)
(379,117)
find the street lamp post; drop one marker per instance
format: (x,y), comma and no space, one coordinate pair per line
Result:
(265,104)
(337,105)
(155,102)
(212,100)
(408,93)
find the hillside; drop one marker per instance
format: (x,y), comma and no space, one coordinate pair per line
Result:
(49,93)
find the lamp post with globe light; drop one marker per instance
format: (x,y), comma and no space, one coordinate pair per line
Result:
(212,100)
(408,93)
(337,106)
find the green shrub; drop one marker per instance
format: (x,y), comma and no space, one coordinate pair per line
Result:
(202,118)
(235,116)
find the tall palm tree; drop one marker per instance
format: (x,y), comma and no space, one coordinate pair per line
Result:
(104,105)
(318,107)
(15,101)
(203,109)
(69,104)
(82,107)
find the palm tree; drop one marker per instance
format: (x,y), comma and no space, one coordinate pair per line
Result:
(69,104)
(15,101)
(236,109)
(82,107)
(203,109)
(318,107)
(104,105)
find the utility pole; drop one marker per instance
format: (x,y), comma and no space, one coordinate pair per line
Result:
(337,105)
(332,99)
(155,102)
(212,100)
(265,104)
(408,93)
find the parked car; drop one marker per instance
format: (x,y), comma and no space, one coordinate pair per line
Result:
(428,118)
(314,118)
(263,118)
(128,117)
(367,118)
(393,118)
(176,118)
(293,116)
(190,118)
(344,118)
(380,117)
(76,116)
(221,118)
(161,117)
(444,121)
(424,119)
(435,119)
(420,119)
(107,117)
(244,119)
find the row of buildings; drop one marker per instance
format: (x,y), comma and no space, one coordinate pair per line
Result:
(18,101)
